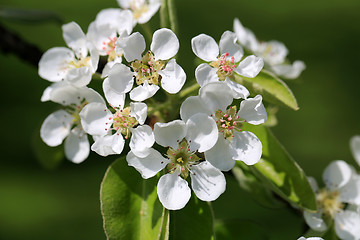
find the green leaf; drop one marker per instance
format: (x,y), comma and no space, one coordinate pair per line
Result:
(281,173)
(29,15)
(254,187)
(195,221)
(238,229)
(48,157)
(129,205)
(272,88)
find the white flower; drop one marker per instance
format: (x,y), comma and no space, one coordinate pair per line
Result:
(273,52)
(108,127)
(110,25)
(232,143)
(184,140)
(149,70)
(347,225)
(66,123)
(341,189)
(355,148)
(310,238)
(224,61)
(76,65)
(142,10)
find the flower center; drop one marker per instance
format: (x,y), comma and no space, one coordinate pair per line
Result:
(181,158)
(227,122)
(78,63)
(75,109)
(329,202)
(139,8)
(224,66)
(123,122)
(147,69)
(109,47)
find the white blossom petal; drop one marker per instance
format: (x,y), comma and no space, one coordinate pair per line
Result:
(355,148)
(202,131)
(245,36)
(113,97)
(121,79)
(315,221)
(239,91)
(219,155)
(139,111)
(337,174)
(173,191)
(289,71)
(347,225)
(95,119)
(142,139)
(350,193)
(253,110)
(56,127)
(143,92)
(125,22)
(246,147)
(217,96)
(250,66)
(313,184)
(205,47)
(124,3)
(205,74)
(173,77)
(108,145)
(54,62)
(75,38)
(46,96)
(149,165)
(207,182)
(273,52)
(167,134)
(153,7)
(164,44)
(228,45)
(191,106)
(133,46)
(77,146)
(79,77)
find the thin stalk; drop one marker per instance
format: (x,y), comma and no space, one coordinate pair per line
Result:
(164,15)
(185,92)
(172,16)
(147,30)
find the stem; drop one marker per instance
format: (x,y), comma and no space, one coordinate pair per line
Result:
(164,15)
(173,16)
(185,92)
(147,31)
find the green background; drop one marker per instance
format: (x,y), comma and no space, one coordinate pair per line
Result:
(64,203)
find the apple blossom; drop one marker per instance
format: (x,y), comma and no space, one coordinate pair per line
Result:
(142,10)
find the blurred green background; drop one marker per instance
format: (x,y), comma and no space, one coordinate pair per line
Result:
(64,203)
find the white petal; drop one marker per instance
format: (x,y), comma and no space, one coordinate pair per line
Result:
(142,140)
(173,77)
(143,92)
(139,111)
(68,94)
(108,144)
(289,71)
(173,191)
(217,96)
(75,38)
(167,134)
(337,174)
(95,119)
(205,47)
(124,3)
(273,52)
(253,110)
(207,182)
(355,148)
(191,106)
(113,97)
(239,91)
(219,155)
(100,34)
(313,184)
(56,127)
(347,225)
(350,193)
(79,77)
(245,36)
(125,22)
(228,45)
(77,146)
(246,147)
(153,7)
(133,46)
(149,165)
(315,221)
(202,131)
(54,62)
(205,74)
(46,96)
(164,44)
(121,78)
(250,66)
